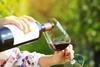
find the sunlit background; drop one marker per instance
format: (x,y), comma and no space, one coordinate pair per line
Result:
(80,18)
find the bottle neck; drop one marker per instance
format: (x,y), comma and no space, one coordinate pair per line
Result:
(45,27)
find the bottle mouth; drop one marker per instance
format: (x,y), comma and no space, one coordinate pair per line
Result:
(48,26)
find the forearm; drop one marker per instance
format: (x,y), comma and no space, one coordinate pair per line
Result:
(5,21)
(46,61)
(2,22)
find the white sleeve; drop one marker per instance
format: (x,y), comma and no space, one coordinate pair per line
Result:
(36,59)
(29,59)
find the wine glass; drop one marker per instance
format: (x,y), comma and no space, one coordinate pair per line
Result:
(58,39)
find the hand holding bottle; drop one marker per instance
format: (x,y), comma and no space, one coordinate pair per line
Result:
(19,30)
(22,22)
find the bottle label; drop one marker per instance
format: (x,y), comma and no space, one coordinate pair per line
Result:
(20,36)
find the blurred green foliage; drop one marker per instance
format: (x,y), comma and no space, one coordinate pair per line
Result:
(13,7)
(80,18)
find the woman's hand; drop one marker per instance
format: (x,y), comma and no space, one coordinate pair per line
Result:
(59,57)
(22,22)
(66,55)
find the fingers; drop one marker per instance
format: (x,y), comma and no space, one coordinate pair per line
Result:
(14,21)
(25,23)
(65,55)
(22,22)
(70,46)
(69,52)
(29,18)
(10,17)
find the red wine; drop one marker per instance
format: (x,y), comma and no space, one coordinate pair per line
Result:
(58,46)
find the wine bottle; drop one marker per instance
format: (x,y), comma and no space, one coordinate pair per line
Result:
(11,36)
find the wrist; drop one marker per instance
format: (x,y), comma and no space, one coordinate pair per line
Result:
(52,60)
(47,61)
